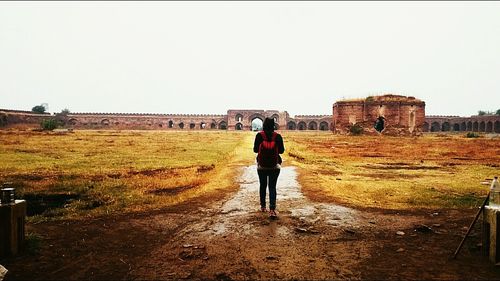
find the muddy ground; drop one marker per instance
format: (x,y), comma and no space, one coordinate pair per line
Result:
(226,237)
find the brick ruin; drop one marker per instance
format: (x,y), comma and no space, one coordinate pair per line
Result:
(385,114)
(234,120)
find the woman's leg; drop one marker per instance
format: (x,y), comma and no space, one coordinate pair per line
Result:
(263,186)
(273,179)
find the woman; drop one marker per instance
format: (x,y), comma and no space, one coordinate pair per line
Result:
(268,144)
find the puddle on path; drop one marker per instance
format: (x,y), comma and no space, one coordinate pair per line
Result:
(241,214)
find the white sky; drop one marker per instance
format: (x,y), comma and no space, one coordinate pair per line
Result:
(207,57)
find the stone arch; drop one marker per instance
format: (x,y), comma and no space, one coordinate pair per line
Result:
(497,127)
(301,125)
(256,125)
(276,126)
(181,125)
(105,122)
(192,125)
(323,126)
(425,127)
(482,126)
(222,125)
(238,126)
(456,127)
(445,127)
(489,127)
(435,127)
(238,117)
(276,118)
(463,126)
(291,125)
(256,115)
(117,123)
(469,126)
(203,125)
(312,125)
(213,126)
(475,126)
(170,124)
(73,122)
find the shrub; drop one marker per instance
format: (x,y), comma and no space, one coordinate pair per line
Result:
(472,135)
(356,130)
(49,124)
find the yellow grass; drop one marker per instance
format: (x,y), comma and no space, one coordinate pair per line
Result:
(89,173)
(115,171)
(393,172)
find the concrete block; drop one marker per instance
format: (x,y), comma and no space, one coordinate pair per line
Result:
(12,227)
(490,233)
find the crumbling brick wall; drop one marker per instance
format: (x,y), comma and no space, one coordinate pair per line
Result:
(401,115)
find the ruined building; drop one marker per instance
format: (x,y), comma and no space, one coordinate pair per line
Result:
(386,114)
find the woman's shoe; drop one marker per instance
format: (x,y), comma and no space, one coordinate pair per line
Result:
(263,209)
(272,214)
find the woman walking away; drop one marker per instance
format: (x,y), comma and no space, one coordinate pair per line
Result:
(268,145)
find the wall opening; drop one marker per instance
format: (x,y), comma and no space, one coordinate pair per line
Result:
(239,117)
(291,125)
(323,126)
(469,126)
(379,124)
(489,127)
(213,126)
(203,125)
(475,126)
(445,127)
(222,125)
(463,126)
(181,125)
(239,127)
(482,127)
(497,126)
(312,126)
(425,127)
(170,124)
(411,122)
(257,124)
(192,126)
(435,127)
(456,127)
(301,126)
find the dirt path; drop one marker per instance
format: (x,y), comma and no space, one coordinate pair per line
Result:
(310,240)
(228,238)
(235,240)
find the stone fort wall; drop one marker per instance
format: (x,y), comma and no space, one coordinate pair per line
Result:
(401,115)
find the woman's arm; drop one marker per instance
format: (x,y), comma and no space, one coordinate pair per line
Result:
(256,143)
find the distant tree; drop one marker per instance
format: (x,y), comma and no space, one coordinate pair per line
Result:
(498,112)
(65,111)
(38,109)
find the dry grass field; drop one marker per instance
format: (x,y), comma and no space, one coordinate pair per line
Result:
(157,205)
(433,171)
(68,175)
(88,173)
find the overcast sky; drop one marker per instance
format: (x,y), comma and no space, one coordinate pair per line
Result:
(207,57)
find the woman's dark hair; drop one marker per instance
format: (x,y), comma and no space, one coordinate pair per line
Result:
(268,125)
